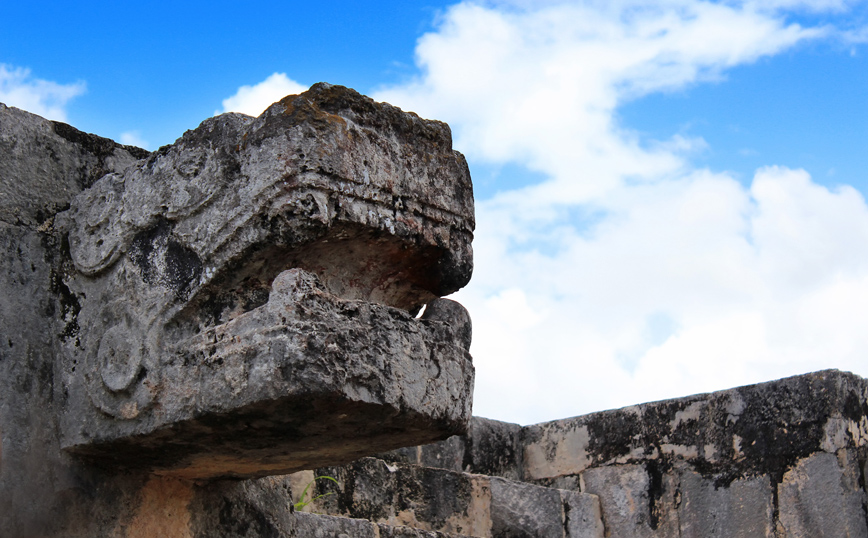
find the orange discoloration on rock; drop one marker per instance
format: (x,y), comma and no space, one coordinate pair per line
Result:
(163,510)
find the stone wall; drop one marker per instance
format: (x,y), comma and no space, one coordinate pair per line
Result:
(785,458)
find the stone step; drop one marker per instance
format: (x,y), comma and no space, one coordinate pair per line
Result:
(435,499)
(323,526)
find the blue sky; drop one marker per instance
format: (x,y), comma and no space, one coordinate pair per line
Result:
(161,67)
(670,194)
(807,107)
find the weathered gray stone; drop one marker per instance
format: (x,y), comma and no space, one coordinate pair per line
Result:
(228,509)
(44,164)
(632,501)
(705,465)
(741,509)
(525,511)
(449,454)
(494,448)
(818,498)
(490,447)
(142,332)
(746,431)
(322,526)
(582,515)
(436,499)
(390,531)
(305,362)
(404,494)
(260,276)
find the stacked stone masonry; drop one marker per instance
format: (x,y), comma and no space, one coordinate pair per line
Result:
(181,329)
(781,459)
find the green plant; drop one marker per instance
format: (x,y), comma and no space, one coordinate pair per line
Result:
(305,492)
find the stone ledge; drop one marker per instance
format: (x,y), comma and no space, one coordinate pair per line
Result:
(307,378)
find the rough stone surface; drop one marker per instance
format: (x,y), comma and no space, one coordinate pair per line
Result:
(311,377)
(490,447)
(44,164)
(230,509)
(260,276)
(525,511)
(627,502)
(494,448)
(751,430)
(448,454)
(819,498)
(322,526)
(740,462)
(148,333)
(390,531)
(743,509)
(402,494)
(436,499)
(582,515)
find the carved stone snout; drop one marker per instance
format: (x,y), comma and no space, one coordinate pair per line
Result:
(247,295)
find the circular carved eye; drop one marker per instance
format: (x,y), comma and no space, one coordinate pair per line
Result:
(119,358)
(118,367)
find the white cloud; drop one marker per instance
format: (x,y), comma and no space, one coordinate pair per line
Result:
(808,5)
(43,97)
(688,285)
(540,87)
(253,100)
(855,36)
(628,276)
(134,138)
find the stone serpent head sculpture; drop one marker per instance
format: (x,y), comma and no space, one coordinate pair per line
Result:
(244,301)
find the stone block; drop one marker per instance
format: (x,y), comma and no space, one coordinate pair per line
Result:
(753,430)
(489,447)
(402,494)
(407,454)
(45,164)
(818,498)
(740,509)
(521,510)
(438,499)
(365,489)
(391,531)
(494,448)
(554,449)
(634,502)
(448,454)
(582,515)
(320,526)
(231,509)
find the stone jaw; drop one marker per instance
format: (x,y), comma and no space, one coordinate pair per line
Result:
(306,376)
(246,294)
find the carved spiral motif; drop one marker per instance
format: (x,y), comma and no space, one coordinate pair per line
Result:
(119,359)
(117,371)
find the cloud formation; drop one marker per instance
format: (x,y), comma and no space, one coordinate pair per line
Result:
(253,100)
(628,275)
(20,89)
